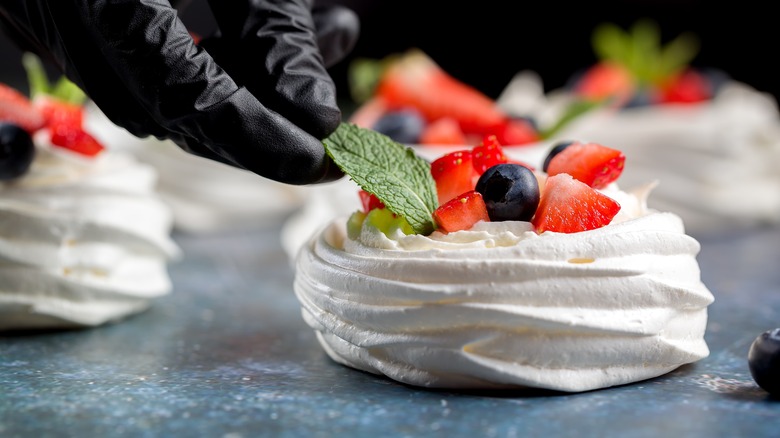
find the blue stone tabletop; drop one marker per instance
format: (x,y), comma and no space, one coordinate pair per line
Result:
(227,354)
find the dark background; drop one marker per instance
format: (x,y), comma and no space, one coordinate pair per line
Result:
(484,43)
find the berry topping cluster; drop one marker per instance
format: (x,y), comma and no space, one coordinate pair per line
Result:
(53,108)
(482,183)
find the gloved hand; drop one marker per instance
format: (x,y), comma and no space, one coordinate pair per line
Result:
(256,96)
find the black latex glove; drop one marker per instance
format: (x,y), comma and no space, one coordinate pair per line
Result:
(258,97)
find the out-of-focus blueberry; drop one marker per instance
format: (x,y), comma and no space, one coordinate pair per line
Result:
(404,126)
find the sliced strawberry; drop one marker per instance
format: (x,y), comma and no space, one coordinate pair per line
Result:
(689,86)
(415,80)
(369,201)
(57,112)
(487,154)
(16,108)
(517,133)
(591,163)
(454,174)
(444,131)
(606,80)
(75,139)
(570,206)
(461,212)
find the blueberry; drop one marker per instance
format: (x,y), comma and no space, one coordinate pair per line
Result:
(557,149)
(764,361)
(717,78)
(403,126)
(510,192)
(16,151)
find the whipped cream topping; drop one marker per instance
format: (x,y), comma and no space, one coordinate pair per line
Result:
(205,196)
(716,161)
(83,240)
(501,306)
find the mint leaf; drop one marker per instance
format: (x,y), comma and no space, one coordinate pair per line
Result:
(39,84)
(389,170)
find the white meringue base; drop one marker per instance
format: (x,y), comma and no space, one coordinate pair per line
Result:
(499,306)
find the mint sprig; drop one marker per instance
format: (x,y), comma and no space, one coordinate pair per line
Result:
(389,170)
(641,51)
(63,89)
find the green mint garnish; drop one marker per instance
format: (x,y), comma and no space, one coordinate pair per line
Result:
(63,90)
(641,51)
(389,170)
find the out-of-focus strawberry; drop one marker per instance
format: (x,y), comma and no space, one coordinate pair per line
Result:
(58,112)
(417,81)
(688,86)
(444,131)
(17,109)
(606,80)
(75,139)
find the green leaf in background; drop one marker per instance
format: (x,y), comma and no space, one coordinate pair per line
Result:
(389,170)
(611,43)
(63,89)
(363,75)
(677,54)
(642,52)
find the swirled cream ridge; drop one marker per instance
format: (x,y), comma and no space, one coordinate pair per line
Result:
(83,241)
(502,306)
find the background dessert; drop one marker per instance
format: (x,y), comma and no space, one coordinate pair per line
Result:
(206,196)
(84,239)
(713,142)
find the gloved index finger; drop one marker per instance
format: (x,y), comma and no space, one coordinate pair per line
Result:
(272,46)
(186,92)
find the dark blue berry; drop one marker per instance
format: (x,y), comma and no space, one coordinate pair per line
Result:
(640,98)
(764,361)
(510,192)
(557,149)
(16,151)
(717,78)
(403,126)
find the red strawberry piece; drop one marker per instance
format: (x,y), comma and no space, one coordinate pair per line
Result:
(591,163)
(16,108)
(369,201)
(689,86)
(415,80)
(517,132)
(570,206)
(487,154)
(445,131)
(461,212)
(454,174)
(75,139)
(606,80)
(57,112)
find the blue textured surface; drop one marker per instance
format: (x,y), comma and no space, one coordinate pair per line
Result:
(227,354)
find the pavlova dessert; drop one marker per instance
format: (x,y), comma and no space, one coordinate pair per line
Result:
(687,127)
(84,239)
(476,271)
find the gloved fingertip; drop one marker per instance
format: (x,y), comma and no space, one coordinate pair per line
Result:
(338,29)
